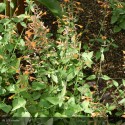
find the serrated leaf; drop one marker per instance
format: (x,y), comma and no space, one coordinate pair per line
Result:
(18,103)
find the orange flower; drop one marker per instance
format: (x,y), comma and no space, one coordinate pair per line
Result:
(104,37)
(17,71)
(66,1)
(29,33)
(78,3)
(120,6)
(33,44)
(11,97)
(26,72)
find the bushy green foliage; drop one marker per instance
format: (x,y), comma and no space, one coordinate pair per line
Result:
(42,76)
(118,15)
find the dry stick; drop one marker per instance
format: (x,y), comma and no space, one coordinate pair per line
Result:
(21,10)
(7,11)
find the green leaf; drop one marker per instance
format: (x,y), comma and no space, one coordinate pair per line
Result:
(53,100)
(2,7)
(63,92)
(91,77)
(38,86)
(36,95)
(49,122)
(102,57)
(18,103)
(85,104)
(44,103)
(0,37)
(11,4)
(22,43)
(5,108)
(114,45)
(5,21)
(57,114)
(86,108)
(17,19)
(22,115)
(70,76)
(23,24)
(11,88)
(105,77)
(90,54)
(116,29)
(123,82)
(114,18)
(98,55)
(115,83)
(54,78)
(122,101)
(1,28)
(2,91)
(85,90)
(122,25)
(53,6)
(25,114)
(26,95)
(112,107)
(87,58)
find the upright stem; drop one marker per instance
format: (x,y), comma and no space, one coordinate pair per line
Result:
(7,11)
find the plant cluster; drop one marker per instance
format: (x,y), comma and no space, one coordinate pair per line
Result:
(118,15)
(42,76)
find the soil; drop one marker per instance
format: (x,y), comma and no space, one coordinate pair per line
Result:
(93,14)
(90,18)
